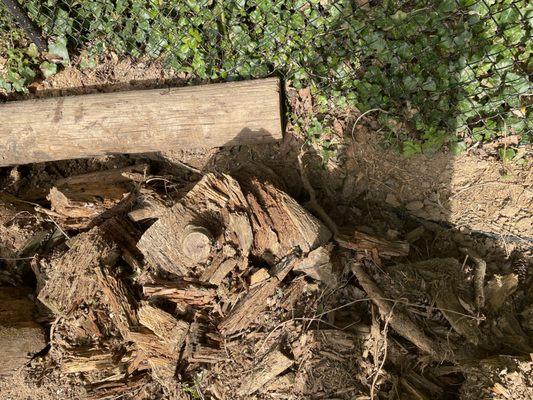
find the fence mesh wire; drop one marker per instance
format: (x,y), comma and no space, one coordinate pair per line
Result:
(434,66)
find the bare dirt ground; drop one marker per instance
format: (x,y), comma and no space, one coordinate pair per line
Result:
(439,205)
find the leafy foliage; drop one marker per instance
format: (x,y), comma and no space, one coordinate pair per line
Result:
(440,69)
(18,57)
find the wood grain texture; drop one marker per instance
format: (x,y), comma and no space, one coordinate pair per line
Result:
(140,121)
(271,366)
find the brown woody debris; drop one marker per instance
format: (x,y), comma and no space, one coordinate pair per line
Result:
(270,367)
(184,293)
(361,242)
(80,199)
(201,302)
(118,300)
(71,280)
(499,288)
(94,360)
(279,223)
(165,326)
(247,310)
(398,320)
(181,239)
(317,265)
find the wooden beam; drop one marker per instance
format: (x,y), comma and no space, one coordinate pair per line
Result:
(140,121)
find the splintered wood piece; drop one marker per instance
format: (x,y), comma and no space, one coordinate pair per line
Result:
(117,299)
(317,265)
(360,241)
(448,303)
(80,199)
(499,288)
(140,121)
(164,325)
(71,280)
(118,389)
(279,223)
(209,355)
(216,275)
(270,367)
(293,292)
(160,354)
(247,310)
(126,235)
(400,322)
(181,240)
(20,336)
(150,344)
(180,292)
(92,360)
(148,205)
(259,276)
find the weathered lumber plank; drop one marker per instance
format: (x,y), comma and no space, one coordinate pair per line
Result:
(140,121)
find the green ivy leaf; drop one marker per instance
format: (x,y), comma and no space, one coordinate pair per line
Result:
(506,154)
(58,50)
(458,147)
(32,51)
(48,69)
(411,148)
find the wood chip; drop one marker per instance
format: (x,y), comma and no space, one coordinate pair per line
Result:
(118,300)
(180,292)
(208,355)
(80,199)
(318,266)
(93,360)
(400,322)
(164,325)
(293,293)
(259,276)
(270,367)
(123,388)
(160,354)
(217,271)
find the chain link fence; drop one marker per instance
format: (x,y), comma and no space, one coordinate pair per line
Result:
(432,67)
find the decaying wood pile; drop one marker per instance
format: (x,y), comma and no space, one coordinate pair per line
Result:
(231,289)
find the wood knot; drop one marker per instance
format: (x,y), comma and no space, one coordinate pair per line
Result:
(196,243)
